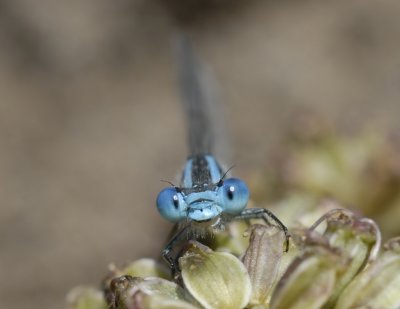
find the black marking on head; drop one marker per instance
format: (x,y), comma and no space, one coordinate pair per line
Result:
(200,171)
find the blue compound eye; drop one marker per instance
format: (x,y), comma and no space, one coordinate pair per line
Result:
(170,204)
(235,195)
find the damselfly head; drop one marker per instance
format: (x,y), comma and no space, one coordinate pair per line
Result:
(203,203)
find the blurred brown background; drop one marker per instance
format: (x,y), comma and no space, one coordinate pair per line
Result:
(90,114)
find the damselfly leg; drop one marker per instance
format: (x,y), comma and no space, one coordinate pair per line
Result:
(264,214)
(167,252)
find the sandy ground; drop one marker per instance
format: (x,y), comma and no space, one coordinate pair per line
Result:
(90,119)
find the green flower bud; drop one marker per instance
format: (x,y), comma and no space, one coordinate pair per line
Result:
(379,285)
(357,239)
(217,280)
(309,280)
(134,292)
(262,260)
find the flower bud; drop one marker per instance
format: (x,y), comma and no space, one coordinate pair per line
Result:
(379,285)
(215,279)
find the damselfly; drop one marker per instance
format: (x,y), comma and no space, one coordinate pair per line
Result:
(206,197)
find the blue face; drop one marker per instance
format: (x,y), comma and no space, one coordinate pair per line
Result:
(204,194)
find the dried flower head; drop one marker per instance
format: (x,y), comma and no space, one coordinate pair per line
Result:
(335,263)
